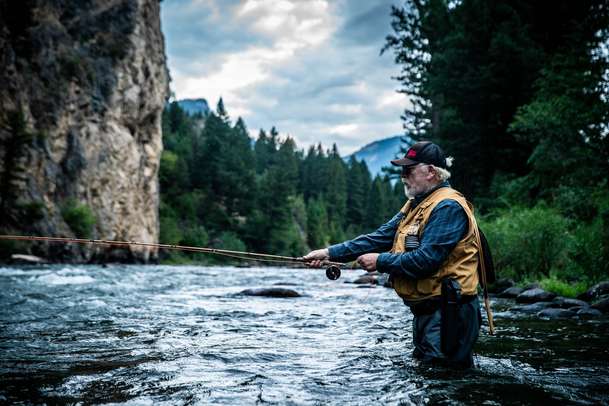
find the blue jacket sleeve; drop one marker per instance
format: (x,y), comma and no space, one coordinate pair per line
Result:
(377,241)
(447,225)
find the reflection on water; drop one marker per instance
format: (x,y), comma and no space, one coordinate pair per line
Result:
(179,335)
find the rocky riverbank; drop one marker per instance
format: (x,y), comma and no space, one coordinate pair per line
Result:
(530,300)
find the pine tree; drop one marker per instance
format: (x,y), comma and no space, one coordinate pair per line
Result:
(334,189)
(466,80)
(221,112)
(359,186)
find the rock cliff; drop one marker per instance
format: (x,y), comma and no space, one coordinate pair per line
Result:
(84,83)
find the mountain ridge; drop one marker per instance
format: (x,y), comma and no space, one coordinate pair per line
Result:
(379,153)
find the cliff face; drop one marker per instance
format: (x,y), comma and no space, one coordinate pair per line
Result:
(84,83)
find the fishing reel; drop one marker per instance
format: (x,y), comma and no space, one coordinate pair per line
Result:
(333,272)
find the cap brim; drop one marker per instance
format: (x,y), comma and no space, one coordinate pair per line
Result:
(404,162)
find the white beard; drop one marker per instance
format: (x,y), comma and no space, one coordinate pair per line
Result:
(407,191)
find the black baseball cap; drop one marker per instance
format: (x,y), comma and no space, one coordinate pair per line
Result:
(423,152)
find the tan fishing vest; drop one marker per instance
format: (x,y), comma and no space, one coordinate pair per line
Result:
(462,262)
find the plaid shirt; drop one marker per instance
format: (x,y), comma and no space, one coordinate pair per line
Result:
(446,226)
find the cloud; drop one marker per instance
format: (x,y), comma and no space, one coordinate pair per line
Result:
(310,68)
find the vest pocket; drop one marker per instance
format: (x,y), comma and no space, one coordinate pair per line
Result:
(404,287)
(425,287)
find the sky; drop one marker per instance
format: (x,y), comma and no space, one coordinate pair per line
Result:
(311,68)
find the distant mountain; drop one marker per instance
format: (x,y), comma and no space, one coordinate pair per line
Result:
(194,106)
(378,153)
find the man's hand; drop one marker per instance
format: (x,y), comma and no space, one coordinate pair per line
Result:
(315,259)
(368,261)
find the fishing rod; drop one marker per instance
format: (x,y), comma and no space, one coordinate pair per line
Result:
(332,270)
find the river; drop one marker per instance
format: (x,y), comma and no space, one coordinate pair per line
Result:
(147,335)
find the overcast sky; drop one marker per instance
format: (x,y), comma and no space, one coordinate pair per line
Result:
(309,67)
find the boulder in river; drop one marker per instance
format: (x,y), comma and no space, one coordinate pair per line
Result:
(566,303)
(535,295)
(589,312)
(365,279)
(511,293)
(602,305)
(23,259)
(595,291)
(271,292)
(500,286)
(554,313)
(531,308)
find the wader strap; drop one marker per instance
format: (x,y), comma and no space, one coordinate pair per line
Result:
(487,304)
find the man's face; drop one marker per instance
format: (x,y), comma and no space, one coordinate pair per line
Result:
(416,179)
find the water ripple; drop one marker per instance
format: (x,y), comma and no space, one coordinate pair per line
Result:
(183,334)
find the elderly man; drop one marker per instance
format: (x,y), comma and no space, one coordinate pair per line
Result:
(430,250)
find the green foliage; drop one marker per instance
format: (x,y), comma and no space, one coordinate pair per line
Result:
(518,93)
(170,232)
(591,249)
(562,288)
(531,242)
(228,240)
(216,189)
(168,169)
(317,224)
(493,83)
(195,236)
(79,217)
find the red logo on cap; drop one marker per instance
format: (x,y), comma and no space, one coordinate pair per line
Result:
(411,153)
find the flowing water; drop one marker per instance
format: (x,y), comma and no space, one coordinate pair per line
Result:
(184,335)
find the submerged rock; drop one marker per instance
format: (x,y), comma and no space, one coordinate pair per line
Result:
(554,313)
(511,293)
(566,303)
(271,292)
(531,308)
(589,313)
(535,295)
(365,279)
(602,305)
(505,315)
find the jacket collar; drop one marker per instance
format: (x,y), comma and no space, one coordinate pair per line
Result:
(419,198)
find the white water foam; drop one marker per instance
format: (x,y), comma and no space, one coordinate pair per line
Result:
(65,276)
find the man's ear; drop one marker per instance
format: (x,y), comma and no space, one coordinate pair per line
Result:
(431,172)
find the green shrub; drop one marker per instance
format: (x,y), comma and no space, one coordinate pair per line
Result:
(590,247)
(79,217)
(195,236)
(530,242)
(230,241)
(170,232)
(167,167)
(562,288)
